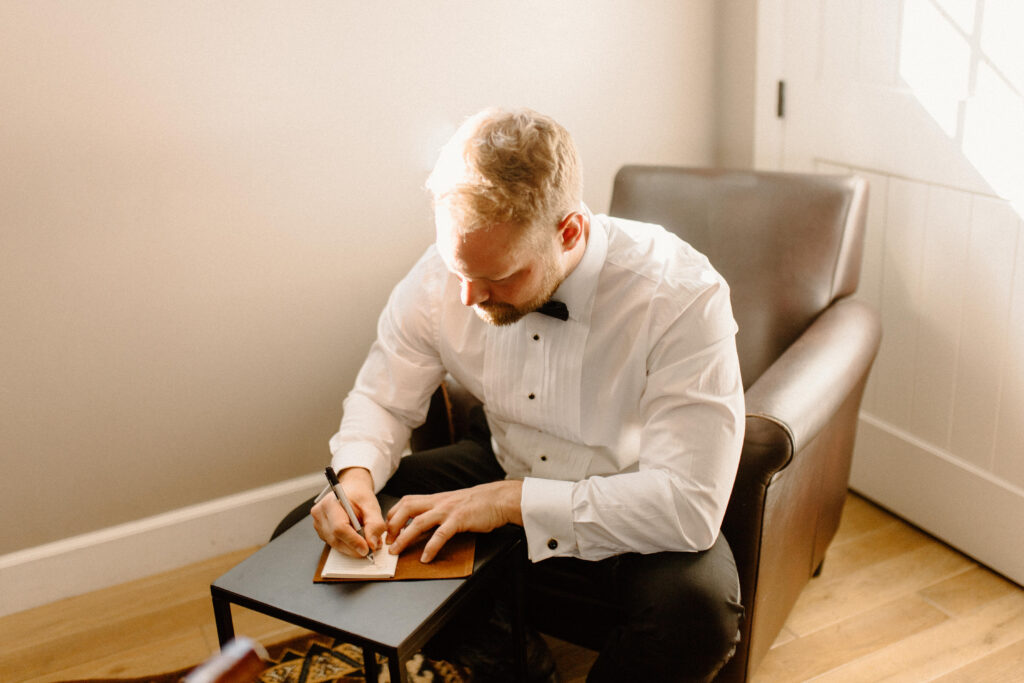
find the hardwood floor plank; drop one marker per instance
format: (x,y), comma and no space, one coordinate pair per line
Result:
(1002,666)
(942,649)
(871,547)
(826,601)
(107,639)
(170,654)
(785,636)
(67,617)
(860,516)
(99,625)
(803,658)
(967,592)
(263,629)
(260,627)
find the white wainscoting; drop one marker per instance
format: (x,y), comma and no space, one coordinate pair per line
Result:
(941,440)
(955,501)
(76,565)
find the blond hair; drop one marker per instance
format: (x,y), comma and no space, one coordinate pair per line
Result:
(518,168)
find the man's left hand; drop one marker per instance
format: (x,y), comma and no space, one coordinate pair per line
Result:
(479,508)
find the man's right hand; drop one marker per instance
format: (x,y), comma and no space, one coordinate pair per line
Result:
(334,526)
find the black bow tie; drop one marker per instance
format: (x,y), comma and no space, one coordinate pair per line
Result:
(556,309)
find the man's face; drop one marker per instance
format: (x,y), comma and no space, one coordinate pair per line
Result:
(502,274)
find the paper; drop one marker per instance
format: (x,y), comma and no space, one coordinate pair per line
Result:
(340,566)
(453,562)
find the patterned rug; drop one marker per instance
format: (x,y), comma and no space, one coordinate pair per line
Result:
(318,659)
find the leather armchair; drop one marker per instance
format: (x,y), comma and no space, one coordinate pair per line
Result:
(790,247)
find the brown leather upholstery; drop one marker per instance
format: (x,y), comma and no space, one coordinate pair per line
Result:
(790,247)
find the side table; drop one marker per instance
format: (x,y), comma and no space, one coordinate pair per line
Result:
(392,618)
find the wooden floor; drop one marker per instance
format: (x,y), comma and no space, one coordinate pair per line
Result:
(892,603)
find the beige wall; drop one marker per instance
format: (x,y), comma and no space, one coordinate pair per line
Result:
(203,207)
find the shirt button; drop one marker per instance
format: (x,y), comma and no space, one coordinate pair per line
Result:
(543,458)
(532,396)
(536,337)
(552,543)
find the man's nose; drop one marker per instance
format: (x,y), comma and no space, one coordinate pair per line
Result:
(474,293)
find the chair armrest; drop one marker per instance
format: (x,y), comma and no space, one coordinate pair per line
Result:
(804,387)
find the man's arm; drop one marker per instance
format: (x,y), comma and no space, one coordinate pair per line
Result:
(392,391)
(690,435)
(391,395)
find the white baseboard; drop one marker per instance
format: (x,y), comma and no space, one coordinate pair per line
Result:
(969,508)
(76,565)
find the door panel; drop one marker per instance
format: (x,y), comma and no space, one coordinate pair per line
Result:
(924,98)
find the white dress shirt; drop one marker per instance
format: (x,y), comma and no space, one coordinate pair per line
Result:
(625,421)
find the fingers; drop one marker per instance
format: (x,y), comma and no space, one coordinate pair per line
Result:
(368,509)
(373,527)
(409,518)
(414,517)
(404,510)
(420,526)
(442,535)
(479,508)
(334,528)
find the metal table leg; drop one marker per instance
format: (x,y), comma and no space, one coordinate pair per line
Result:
(397,672)
(222,616)
(370,665)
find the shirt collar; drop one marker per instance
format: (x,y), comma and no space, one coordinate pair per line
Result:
(577,291)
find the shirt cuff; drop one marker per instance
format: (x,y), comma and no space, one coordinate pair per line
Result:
(363,455)
(547,518)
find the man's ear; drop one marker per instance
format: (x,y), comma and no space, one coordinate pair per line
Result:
(572,230)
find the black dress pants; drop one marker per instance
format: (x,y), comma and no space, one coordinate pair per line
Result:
(679,612)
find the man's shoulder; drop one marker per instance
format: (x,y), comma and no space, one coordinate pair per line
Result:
(674,280)
(652,252)
(423,284)
(429,267)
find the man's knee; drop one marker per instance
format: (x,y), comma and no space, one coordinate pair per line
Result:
(693,626)
(684,611)
(706,626)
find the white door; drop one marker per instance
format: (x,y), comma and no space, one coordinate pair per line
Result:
(924,98)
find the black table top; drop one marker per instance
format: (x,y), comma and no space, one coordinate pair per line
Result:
(278,580)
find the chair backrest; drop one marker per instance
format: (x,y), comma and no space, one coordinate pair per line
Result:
(788,244)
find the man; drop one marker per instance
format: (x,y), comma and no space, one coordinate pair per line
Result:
(613,419)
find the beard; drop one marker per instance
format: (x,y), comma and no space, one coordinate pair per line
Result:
(501,314)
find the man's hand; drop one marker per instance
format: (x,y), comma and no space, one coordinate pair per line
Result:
(480,508)
(334,526)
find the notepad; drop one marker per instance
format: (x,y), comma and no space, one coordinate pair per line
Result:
(338,566)
(454,561)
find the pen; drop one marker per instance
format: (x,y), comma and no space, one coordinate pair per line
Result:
(339,493)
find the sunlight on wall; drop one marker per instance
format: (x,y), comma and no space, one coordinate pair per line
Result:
(935,62)
(964,61)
